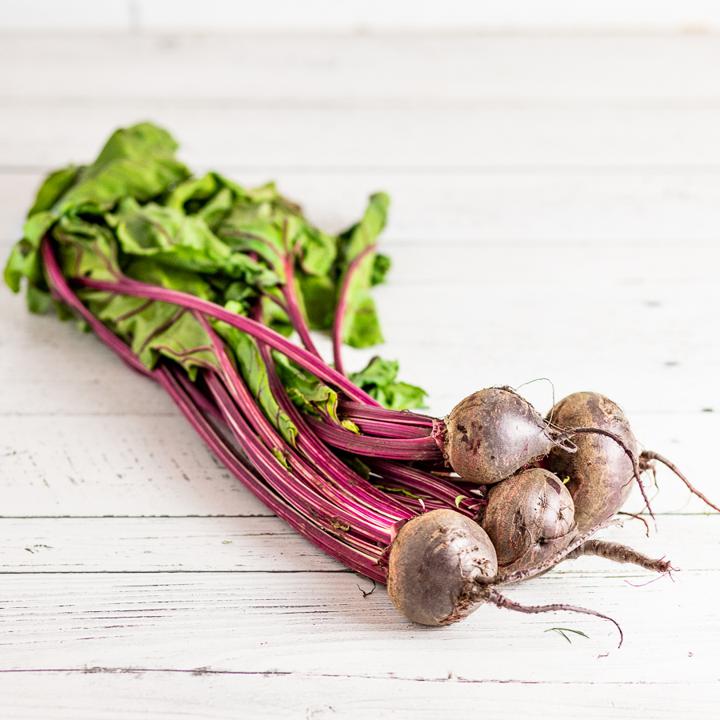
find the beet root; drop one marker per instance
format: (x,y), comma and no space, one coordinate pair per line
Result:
(492,434)
(648,457)
(620,554)
(438,563)
(501,601)
(602,469)
(528,517)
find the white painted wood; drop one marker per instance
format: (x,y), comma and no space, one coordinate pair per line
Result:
(266,544)
(364,15)
(310,69)
(454,14)
(556,214)
(70,15)
(320,623)
(394,137)
(106,694)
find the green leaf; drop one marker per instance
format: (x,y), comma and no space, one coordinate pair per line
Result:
(149,271)
(23,262)
(154,329)
(306,391)
(137,142)
(210,196)
(53,187)
(318,295)
(138,179)
(380,269)
(38,301)
(182,241)
(366,232)
(563,631)
(379,379)
(362,326)
(137,162)
(317,250)
(86,249)
(37,226)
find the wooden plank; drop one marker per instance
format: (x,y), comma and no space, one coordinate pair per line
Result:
(364,15)
(154,465)
(78,15)
(368,15)
(146,694)
(338,138)
(218,544)
(114,465)
(539,210)
(287,70)
(267,544)
(100,693)
(260,623)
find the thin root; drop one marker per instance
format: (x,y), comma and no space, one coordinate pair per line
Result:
(669,574)
(499,600)
(637,516)
(647,465)
(621,554)
(648,455)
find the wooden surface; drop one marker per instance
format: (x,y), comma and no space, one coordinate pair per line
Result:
(556,214)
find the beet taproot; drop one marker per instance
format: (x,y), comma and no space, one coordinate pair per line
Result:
(529,516)
(602,469)
(492,434)
(437,563)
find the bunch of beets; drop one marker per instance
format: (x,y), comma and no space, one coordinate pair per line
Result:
(199,283)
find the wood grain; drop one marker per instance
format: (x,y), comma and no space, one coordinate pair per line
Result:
(96,693)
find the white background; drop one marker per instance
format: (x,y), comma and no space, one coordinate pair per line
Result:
(555,171)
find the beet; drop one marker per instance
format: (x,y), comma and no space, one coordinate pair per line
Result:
(443,566)
(437,563)
(493,433)
(600,472)
(529,516)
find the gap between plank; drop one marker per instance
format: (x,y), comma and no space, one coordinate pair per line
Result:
(450,678)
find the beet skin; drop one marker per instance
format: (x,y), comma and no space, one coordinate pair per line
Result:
(439,563)
(493,433)
(600,472)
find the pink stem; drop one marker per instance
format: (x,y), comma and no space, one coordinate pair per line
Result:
(374,523)
(341,309)
(317,452)
(414,449)
(333,546)
(293,307)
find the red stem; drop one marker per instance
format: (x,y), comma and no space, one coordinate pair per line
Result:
(359,411)
(341,308)
(317,452)
(293,307)
(332,545)
(423,449)
(307,492)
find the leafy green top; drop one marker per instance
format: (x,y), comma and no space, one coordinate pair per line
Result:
(138,210)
